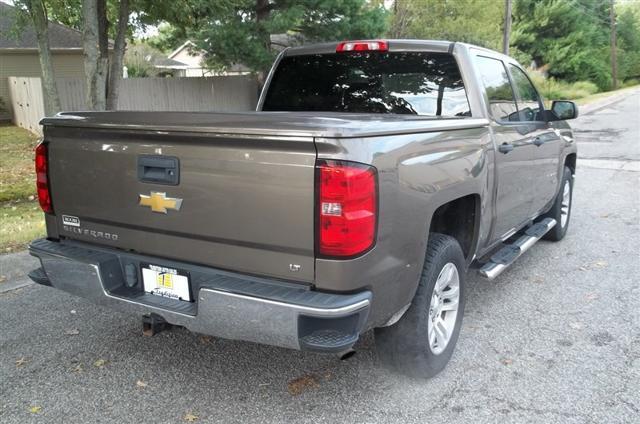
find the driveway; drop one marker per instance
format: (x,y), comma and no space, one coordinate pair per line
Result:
(555,339)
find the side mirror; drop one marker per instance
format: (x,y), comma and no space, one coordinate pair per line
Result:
(563,109)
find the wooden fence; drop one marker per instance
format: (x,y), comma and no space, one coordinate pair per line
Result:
(206,94)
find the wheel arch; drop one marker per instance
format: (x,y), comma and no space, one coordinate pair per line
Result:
(460,219)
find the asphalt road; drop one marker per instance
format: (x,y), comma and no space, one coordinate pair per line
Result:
(555,339)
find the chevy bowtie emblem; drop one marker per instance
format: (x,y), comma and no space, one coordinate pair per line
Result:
(159,202)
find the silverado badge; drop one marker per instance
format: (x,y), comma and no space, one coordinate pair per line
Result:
(159,202)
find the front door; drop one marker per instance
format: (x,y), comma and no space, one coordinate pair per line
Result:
(548,144)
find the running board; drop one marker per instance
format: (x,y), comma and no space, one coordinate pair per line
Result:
(508,254)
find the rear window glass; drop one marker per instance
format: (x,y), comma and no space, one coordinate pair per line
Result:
(369,82)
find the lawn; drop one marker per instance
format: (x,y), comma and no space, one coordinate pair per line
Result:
(20,217)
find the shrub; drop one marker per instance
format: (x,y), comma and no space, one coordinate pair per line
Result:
(553,89)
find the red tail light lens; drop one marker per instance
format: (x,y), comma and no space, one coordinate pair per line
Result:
(42,179)
(362,46)
(347,208)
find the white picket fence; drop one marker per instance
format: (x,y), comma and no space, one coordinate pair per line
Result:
(206,94)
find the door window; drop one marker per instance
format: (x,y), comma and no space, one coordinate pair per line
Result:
(527,98)
(502,103)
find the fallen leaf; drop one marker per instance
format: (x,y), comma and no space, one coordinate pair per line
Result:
(72,332)
(78,368)
(20,362)
(141,384)
(205,339)
(35,409)
(592,296)
(100,363)
(600,264)
(3,278)
(507,361)
(191,417)
(300,384)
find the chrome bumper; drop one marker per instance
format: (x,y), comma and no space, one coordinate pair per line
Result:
(226,305)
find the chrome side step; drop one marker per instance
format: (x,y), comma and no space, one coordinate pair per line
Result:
(508,254)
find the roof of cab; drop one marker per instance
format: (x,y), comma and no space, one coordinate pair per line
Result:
(395,45)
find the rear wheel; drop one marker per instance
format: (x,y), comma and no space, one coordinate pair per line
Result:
(561,209)
(421,343)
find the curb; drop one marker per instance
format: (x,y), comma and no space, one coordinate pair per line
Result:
(590,108)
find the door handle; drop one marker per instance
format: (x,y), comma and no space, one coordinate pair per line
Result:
(505,148)
(157,169)
(538,141)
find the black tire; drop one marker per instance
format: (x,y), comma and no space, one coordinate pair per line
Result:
(405,345)
(558,232)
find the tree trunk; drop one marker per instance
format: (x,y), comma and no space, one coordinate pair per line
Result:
(95,44)
(38,15)
(115,71)
(263,10)
(614,55)
(507,27)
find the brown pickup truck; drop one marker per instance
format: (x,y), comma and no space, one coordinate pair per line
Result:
(371,178)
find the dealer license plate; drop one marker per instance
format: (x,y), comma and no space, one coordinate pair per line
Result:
(166,282)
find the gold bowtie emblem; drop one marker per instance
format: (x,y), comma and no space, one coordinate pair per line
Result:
(159,202)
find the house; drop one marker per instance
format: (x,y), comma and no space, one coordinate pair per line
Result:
(188,61)
(19,53)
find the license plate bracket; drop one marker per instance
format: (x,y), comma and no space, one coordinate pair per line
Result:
(165,281)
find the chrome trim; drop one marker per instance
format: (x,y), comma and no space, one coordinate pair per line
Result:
(267,81)
(492,269)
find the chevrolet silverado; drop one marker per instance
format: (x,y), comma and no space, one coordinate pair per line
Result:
(371,178)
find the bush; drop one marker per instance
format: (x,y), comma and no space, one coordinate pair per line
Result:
(553,89)
(630,82)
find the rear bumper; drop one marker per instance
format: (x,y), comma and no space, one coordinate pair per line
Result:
(226,305)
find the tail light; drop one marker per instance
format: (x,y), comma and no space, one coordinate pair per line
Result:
(42,179)
(347,208)
(362,46)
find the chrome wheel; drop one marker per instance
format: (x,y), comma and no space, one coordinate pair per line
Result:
(443,309)
(566,203)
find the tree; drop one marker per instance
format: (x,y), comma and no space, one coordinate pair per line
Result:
(472,21)
(239,31)
(628,28)
(571,38)
(37,16)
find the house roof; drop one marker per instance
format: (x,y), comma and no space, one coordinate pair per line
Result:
(186,44)
(60,36)
(170,63)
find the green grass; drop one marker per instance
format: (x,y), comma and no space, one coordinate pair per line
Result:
(17,178)
(21,219)
(552,89)
(21,223)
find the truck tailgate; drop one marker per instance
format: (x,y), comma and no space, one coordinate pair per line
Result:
(247,201)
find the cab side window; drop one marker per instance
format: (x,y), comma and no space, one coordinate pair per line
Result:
(529,105)
(502,103)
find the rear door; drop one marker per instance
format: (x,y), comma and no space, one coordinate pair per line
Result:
(515,150)
(243,203)
(548,143)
